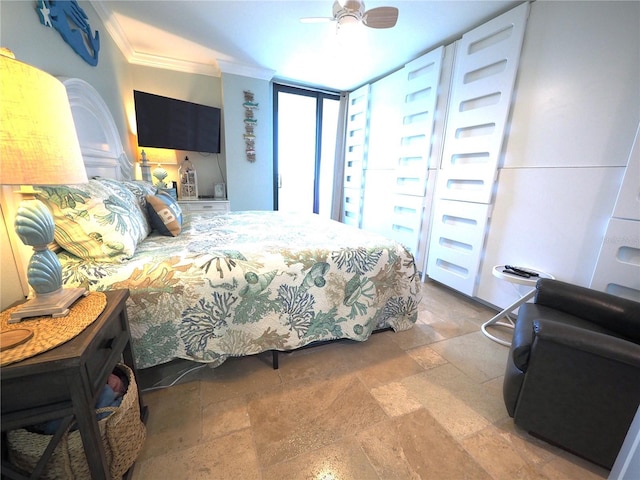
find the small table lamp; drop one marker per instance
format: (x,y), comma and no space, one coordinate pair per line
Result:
(38,146)
(160,174)
(145,168)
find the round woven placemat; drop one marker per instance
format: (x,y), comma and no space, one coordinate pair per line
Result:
(50,332)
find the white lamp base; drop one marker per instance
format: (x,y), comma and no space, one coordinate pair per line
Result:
(55,304)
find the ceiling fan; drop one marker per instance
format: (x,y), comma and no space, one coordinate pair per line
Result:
(353,11)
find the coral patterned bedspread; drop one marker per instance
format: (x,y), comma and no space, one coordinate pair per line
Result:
(248,282)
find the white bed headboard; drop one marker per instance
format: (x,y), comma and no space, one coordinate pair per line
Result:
(97,132)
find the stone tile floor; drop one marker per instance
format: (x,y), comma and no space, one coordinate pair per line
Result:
(421,404)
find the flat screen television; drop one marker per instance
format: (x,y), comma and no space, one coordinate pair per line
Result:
(164,122)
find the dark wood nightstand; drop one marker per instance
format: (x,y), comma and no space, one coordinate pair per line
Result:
(67,381)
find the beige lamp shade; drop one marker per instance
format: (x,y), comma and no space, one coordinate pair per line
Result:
(38,140)
(38,146)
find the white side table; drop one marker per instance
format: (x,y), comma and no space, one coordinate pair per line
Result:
(514,280)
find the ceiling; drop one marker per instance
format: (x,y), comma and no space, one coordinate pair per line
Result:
(266,39)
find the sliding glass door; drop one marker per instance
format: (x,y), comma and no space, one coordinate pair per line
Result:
(305,128)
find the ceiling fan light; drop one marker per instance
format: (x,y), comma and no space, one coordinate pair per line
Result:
(348,20)
(348,30)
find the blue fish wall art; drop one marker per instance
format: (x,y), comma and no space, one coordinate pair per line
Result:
(63,15)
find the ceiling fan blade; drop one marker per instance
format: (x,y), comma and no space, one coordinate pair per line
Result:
(380,17)
(316,19)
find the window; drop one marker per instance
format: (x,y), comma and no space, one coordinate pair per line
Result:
(305,131)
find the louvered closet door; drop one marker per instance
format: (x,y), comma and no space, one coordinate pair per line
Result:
(355,155)
(618,268)
(422,77)
(420,88)
(484,75)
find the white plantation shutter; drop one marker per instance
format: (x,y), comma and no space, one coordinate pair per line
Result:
(421,79)
(618,268)
(411,198)
(398,190)
(355,155)
(484,75)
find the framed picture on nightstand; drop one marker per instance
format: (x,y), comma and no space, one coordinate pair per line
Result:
(219,191)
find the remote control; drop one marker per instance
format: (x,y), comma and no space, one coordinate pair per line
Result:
(521,270)
(515,272)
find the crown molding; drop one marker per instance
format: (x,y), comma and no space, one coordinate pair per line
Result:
(113,28)
(119,37)
(157,61)
(246,70)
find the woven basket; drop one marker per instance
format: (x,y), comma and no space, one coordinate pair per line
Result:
(122,432)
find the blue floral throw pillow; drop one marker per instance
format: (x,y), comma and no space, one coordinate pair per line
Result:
(165,214)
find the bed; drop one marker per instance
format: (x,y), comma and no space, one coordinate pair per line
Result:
(229,285)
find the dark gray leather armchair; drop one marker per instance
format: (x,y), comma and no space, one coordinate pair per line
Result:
(573,371)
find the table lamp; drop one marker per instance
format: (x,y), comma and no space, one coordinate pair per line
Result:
(145,168)
(159,157)
(38,146)
(160,174)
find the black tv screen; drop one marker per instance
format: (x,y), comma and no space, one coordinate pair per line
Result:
(164,122)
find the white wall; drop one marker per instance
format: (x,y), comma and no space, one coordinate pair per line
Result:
(573,123)
(386,104)
(249,184)
(10,289)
